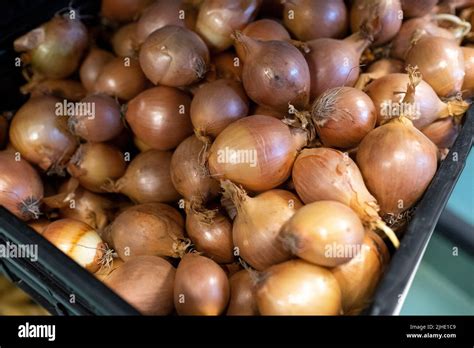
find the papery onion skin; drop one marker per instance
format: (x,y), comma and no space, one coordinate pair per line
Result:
(217,19)
(441,62)
(468,83)
(174,56)
(158,233)
(94,164)
(201,287)
(397,162)
(325,233)
(92,66)
(225,65)
(146,282)
(41,135)
(297,287)
(124,41)
(379,69)
(242,294)
(276,73)
(55,48)
(147,178)
(269,150)
(122,77)
(216,105)
(77,240)
(21,188)
(104,125)
(358,278)
(64,89)
(443,132)
(123,10)
(388,12)
(314,19)
(343,117)
(189,176)
(103,273)
(159,117)
(262,110)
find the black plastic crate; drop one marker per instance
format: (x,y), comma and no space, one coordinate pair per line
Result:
(55,279)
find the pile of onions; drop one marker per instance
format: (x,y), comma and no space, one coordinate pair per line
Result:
(256,228)
(297,287)
(388,93)
(94,164)
(263,30)
(159,117)
(217,19)
(21,189)
(313,19)
(275,74)
(146,282)
(40,134)
(216,105)
(154,229)
(105,124)
(201,287)
(441,62)
(80,242)
(64,89)
(188,173)
(359,277)
(123,10)
(211,233)
(121,78)
(379,69)
(388,13)
(243,299)
(256,151)
(326,233)
(55,49)
(124,41)
(174,56)
(147,178)
(327,174)
(92,66)
(417,8)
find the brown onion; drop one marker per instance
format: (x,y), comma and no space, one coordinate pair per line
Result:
(211,233)
(92,66)
(225,65)
(147,178)
(258,223)
(159,117)
(263,30)
(326,233)
(103,273)
(174,56)
(242,294)
(388,93)
(417,8)
(256,151)
(262,110)
(314,19)
(217,19)
(276,73)
(216,105)
(388,13)
(64,89)
(94,164)
(379,69)
(443,132)
(21,189)
(146,282)
(201,287)
(124,41)
(80,242)
(122,77)
(148,229)
(297,287)
(123,10)
(54,49)
(103,124)
(468,83)
(39,132)
(358,278)
(188,173)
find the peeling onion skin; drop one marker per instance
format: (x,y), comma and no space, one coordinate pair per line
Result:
(358,278)
(21,188)
(174,56)
(242,294)
(314,19)
(146,282)
(201,287)
(297,287)
(397,162)
(92,65)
